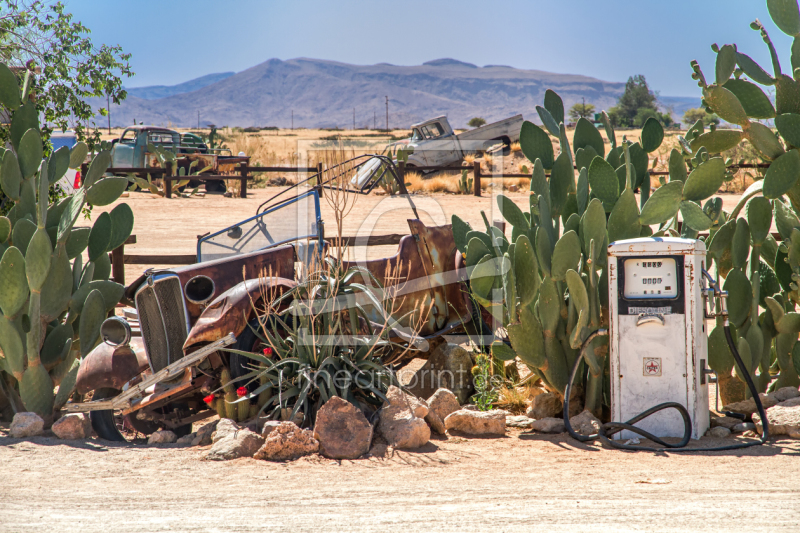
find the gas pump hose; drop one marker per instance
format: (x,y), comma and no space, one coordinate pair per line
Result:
(610,428)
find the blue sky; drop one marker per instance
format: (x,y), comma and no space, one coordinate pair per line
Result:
(176,40)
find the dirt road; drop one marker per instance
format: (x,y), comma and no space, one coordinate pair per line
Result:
(523,482)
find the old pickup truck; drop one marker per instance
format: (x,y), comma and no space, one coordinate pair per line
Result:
(134,150)
(186,317)
(435,143)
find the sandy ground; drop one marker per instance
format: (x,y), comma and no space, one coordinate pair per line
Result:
(523,482)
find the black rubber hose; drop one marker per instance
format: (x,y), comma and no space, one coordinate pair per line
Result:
(609,428)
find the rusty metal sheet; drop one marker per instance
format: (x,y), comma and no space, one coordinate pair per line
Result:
(165,392)
(111,367)
(230,311)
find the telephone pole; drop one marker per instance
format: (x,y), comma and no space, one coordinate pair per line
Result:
(292,119)
(387,113)
(198,119)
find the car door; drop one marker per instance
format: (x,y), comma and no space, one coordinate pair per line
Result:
(441,148)
(122,152)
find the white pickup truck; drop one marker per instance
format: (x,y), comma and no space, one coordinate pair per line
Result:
(435,143)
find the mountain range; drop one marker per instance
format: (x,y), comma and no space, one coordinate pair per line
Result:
(316,93)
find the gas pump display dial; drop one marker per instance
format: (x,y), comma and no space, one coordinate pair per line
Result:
(651,278)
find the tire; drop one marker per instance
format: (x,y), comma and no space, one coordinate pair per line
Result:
(215,186)
(117,428)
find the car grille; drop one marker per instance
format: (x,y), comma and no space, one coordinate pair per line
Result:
(162,316)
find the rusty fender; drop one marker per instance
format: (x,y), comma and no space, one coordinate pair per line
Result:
(111,366)
(230,311)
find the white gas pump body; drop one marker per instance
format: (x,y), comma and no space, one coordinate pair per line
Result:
(658,343)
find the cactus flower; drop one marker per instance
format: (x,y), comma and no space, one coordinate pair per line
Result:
(268,351)
(241,391)
(209,399)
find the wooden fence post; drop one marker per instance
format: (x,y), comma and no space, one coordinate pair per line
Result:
(476,178)
(167,174)
(243,187)
(401,171)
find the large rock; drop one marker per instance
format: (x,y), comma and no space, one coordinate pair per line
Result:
(790,403)
(477,422)
(269,426)
(748,406)
(449,366)
(26,425)
(727,422)
(401,420)
(549,425)
(785,393)
(585,423)
(225,428)
(520,421)
(73,426)
(204,434)
(440,404)
(741,427)
(286,443)
(342,430)
(240,443)
(719,432)
(547,405)
(162,436)
(782,421)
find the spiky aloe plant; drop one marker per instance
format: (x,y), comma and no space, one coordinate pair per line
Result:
(761,275)
(325,337)
(547,284)
(51,303)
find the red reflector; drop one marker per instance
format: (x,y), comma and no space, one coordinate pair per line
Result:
(77,179)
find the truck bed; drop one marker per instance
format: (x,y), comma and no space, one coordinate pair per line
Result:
(508,127)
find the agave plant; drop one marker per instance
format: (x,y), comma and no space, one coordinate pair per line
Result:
(326,337)
(51,303)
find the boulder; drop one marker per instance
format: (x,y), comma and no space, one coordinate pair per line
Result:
(782,421)
(741,427)
(585,423)
(26,425)
(724,421)
(790,403)
(477,422)
(520,421)
(204,434)
(225,428)
(785,393)
(187,440)
(342,430)
(449,366)
(162,436)
(547,405)
(269,426)
(719,432)
(287,442)
(748,406)
(440,404)
(549,425)
(401,420)
(73,426)
(240,443)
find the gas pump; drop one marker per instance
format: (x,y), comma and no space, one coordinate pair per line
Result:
(658,346)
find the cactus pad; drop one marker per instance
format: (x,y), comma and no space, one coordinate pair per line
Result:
(782,174)
(663,204)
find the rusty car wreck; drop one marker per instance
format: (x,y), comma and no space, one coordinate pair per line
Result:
(188,315)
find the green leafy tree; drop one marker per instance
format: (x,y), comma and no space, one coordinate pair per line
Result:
(581,110)
(476,122)
(637,95)
(645,113)
(42,35)
(691,116)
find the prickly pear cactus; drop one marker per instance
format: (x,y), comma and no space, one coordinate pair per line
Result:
(761,273)
(51,302)
(547,284)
